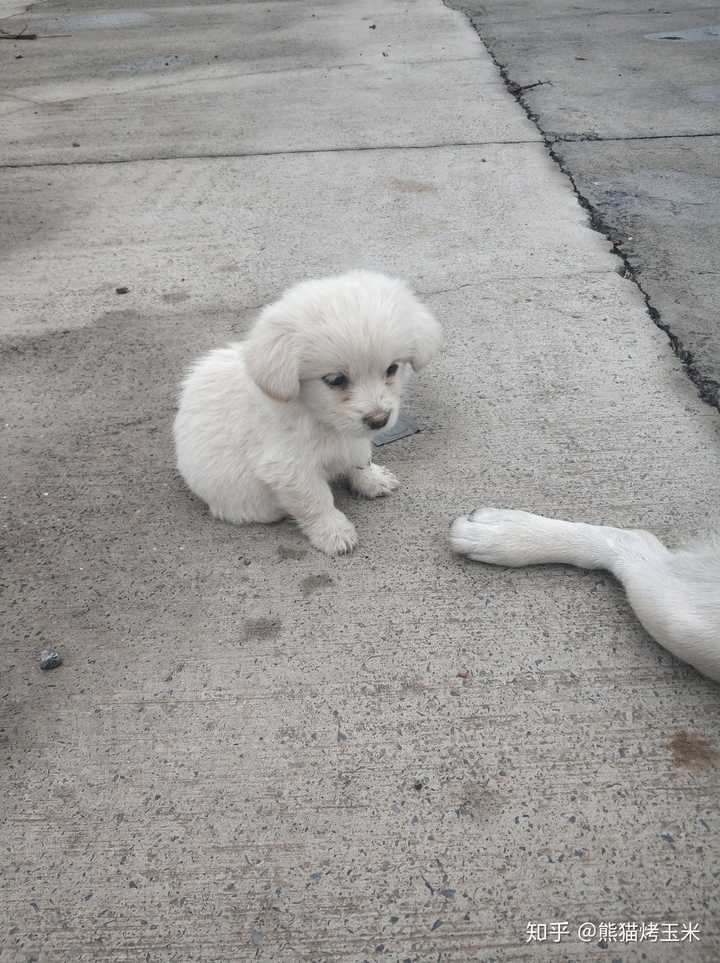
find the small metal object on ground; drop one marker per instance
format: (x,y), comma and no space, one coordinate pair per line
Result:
(404,426)
(50,659)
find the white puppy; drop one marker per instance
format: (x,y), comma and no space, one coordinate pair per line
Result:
(265,424)
(676,595)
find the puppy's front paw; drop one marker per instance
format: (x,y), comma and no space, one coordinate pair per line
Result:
(373,481)
(494,535)
(335,534)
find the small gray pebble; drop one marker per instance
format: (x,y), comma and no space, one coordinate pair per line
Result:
(50,659)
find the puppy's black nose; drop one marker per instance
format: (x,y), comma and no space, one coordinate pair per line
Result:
(378,419)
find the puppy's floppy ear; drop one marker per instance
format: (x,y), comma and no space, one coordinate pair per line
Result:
(427,337)
(271,356)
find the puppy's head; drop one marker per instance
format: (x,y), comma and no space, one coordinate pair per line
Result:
(344,346)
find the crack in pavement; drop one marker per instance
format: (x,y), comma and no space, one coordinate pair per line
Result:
(708,389)
(238,155)
(591,136)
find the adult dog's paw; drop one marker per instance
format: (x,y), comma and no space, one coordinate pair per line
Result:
(334,535)
(373,481)
(497,536)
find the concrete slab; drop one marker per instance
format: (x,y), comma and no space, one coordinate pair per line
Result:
(609,70)
(615,87)
(243,78)
(662,199)
(10,8)
(230,234)
(251,37)
(256,753)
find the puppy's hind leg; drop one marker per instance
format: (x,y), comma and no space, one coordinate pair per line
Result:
(252,502)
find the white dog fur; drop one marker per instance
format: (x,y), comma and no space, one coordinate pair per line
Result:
(261,429)
(676,595)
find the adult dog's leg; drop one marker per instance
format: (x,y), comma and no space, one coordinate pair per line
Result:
(676,596)
(506,537)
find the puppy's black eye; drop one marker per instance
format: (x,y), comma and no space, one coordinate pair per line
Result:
(338,380)
(391,370)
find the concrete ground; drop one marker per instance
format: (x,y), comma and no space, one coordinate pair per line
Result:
(252,751)
(628,97)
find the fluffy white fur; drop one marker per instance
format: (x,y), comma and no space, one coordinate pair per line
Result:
(676,595)
(260,432)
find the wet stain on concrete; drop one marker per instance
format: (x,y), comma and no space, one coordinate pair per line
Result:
(692,35)
(477,801)
(291,552)
(411,187)
(95,21)
(313,583)
(121,316)
(261,630)
(61,106)
(704,94)
(692,751)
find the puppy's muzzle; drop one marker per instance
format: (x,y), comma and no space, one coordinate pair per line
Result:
(377,419)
